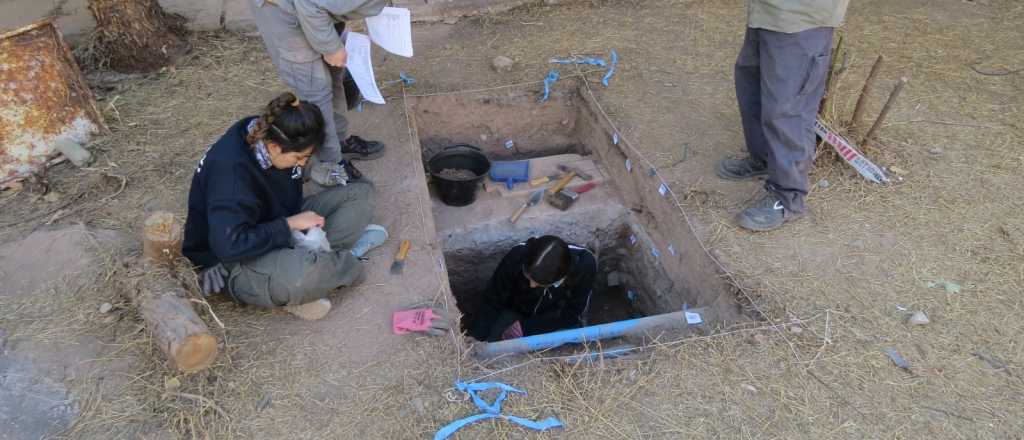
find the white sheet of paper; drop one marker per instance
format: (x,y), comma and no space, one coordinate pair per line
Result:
(361,66)
(392,30)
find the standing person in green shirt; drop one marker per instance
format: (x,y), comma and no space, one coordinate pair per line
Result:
(780,80)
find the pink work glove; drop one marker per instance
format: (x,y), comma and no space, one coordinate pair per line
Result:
(513,331)
(421,320)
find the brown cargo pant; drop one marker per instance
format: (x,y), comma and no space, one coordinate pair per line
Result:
(290,276)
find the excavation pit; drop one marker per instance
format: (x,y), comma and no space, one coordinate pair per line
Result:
(649,260)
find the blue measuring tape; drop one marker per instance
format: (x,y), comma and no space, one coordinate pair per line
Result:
(611,68)
(548,81)
(492,410)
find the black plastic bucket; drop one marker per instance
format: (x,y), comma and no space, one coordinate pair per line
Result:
(458,191)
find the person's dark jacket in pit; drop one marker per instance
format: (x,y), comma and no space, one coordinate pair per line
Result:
(540,286)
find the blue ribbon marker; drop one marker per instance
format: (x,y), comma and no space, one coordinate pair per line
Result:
(548,81)
(576,60)
(492,410)
(406,79)
(611,68)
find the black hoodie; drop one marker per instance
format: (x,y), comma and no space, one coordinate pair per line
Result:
(509,297)
(237,209)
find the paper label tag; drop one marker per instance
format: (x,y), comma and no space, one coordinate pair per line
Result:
(693,318)
(632,240)
(615,138)
(672,250)
(629,165)
(663,189)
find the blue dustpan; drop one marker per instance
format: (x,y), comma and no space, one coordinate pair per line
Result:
(510,172)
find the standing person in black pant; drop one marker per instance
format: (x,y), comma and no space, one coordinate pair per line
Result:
(540,286)
(780,80)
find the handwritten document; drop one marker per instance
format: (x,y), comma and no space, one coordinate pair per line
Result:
(361,66)
(392,30)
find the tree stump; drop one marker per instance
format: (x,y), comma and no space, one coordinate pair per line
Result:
(161,239)
(134,36)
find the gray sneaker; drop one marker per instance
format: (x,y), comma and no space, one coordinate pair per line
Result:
(373,236)
(766,214)
(741,169)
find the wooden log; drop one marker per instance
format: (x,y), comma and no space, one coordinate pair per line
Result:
(174,324)
(889,103)
(869,83)
(161,239)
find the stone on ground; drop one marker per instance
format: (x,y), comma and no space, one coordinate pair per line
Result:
(502,63)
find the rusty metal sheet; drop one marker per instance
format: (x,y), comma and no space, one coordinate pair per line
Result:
(42,97)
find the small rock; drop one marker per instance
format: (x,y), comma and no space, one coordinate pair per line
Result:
(796,330)
(52,197)
(552,2)
(897,170)
(823,183)
(760,338)
(450,20)
(918,318)
(502,64)
(74,151)
(935,151)
(106,308)
(750,388)
(171,383)
(483,137)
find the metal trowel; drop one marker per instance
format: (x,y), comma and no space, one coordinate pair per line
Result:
(534,199)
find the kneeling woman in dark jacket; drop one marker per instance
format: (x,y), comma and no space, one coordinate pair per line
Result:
(540,286)
(246,199)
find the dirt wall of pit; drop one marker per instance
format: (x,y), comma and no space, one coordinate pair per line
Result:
(688,268)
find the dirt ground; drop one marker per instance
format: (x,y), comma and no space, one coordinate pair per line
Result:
(843,279)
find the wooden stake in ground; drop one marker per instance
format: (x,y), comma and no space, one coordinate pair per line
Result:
(134,36)
(836,68)
(163,303)
(869,83)
(864,143)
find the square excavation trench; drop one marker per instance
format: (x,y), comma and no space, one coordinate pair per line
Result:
(625,220)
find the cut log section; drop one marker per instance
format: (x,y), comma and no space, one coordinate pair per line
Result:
(174,324)
(161,238)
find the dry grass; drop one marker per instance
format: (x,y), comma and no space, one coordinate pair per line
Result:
(841,273)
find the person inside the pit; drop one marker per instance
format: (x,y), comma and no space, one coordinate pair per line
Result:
(247,199)
(540,286)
